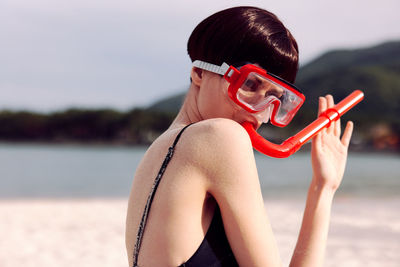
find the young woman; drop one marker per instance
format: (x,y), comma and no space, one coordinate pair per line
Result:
(200,177)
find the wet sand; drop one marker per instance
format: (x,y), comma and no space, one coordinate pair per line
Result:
(81,232)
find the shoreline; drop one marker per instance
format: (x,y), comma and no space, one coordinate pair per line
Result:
(90,231)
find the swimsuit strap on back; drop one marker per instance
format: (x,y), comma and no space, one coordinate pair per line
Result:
(142,224)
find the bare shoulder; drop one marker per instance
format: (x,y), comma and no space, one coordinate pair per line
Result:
(219,134)
(219,148)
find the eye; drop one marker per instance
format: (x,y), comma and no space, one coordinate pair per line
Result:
(251,85)
(275,92)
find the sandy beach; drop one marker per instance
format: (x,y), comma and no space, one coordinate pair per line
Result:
(81,232)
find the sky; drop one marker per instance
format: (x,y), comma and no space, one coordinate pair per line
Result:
(58,54)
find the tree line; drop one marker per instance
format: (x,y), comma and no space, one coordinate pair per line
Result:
(141,126)
(137,126)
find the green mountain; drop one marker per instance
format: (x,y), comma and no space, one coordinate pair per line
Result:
(374,70)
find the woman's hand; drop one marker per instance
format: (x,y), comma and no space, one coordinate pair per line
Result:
(328,156)
(329,151)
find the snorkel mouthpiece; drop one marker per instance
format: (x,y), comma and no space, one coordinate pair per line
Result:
(292,144)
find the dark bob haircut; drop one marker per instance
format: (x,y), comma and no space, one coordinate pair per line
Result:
(246,34)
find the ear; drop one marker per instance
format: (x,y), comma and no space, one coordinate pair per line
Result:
(196,76)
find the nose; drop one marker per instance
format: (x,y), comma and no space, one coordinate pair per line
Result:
(264,115)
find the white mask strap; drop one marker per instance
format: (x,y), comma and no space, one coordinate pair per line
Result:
(211,67)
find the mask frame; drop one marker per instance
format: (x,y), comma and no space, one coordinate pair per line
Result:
(284,107)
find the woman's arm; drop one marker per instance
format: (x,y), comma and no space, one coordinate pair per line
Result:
(222,151)
(329,155)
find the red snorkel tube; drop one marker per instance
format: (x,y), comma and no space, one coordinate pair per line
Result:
(292,144)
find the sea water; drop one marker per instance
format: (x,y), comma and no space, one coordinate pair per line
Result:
(80,171)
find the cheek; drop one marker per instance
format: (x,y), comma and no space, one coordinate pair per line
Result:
(229,104)
(214,101)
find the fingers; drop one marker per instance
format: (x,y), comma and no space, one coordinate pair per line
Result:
(336,125)
(337,129)
(331,103)
(322,105)
(329,99)
(347,133)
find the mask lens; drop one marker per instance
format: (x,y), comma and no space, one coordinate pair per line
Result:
(257,92)
(290,103)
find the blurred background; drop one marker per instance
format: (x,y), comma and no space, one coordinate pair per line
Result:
(86,86)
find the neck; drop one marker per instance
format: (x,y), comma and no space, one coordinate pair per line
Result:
(189,112)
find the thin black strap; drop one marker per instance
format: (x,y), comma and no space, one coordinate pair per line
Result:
(142,224)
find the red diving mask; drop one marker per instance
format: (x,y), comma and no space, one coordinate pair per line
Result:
(255,90)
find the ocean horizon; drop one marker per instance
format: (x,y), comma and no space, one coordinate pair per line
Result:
(87,171)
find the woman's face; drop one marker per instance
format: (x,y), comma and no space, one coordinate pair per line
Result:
(213,102)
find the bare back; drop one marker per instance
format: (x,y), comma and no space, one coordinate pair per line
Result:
(181,211)
(212,163)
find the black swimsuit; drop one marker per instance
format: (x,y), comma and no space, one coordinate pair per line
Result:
(214,251)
